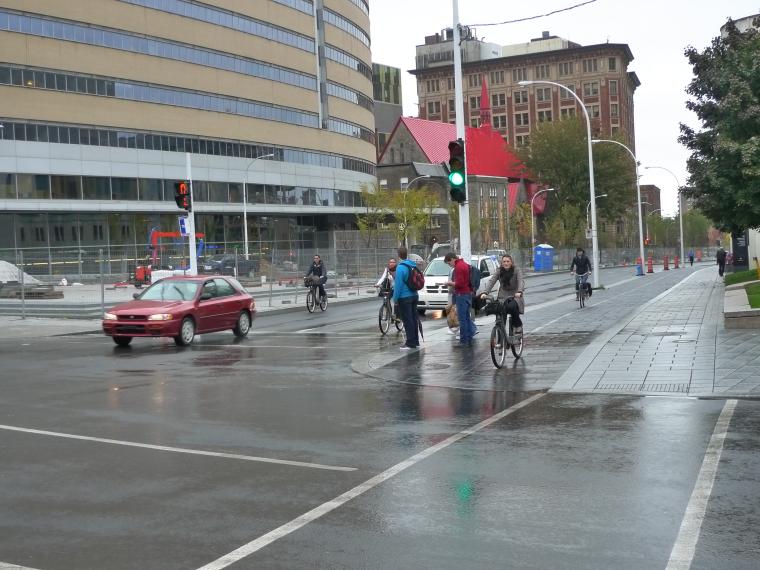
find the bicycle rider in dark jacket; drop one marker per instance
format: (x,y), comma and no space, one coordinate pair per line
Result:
(319,270)
(581,266)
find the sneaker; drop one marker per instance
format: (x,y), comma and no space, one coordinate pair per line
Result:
(405,348)
(517,330)
(476,332)
(452,331)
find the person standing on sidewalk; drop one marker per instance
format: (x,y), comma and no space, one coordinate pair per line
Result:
(691,257)
(406,297)
(462,296)
(720,257)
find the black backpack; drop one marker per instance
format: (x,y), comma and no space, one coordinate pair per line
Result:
(474,278)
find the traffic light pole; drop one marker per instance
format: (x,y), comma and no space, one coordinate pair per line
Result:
(191,219)
(465,249)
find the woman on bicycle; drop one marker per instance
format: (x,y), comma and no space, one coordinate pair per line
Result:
(389,275)
(511,287)
(318,269)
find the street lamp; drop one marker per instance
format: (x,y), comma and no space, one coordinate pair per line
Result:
(638,192)
(680,201)
(245,201)
(652,213)
(594,237)
(588,206)
(403,193)
(532,215)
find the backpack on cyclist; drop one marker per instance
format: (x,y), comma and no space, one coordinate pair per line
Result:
(474,278)
(415,280)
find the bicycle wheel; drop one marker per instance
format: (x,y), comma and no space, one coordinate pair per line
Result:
(384,318)
(310,302)
(516,343)
(581,297)
(323,302)
(398,321)
(498,345)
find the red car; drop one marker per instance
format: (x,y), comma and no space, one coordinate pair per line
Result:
(181,307)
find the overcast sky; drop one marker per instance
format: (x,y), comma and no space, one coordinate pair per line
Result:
(657,32)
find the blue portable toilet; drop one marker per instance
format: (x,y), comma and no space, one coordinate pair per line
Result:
(543,257)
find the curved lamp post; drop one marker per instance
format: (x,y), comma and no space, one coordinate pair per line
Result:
(245,201)
(680,201)
(594,237)
(638,192)
(532,224)
(588,206)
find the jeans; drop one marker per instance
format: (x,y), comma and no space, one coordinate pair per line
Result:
(580,279)
(514,311)
(408,309)
(466,326)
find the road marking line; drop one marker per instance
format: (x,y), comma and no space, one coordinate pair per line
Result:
(324,508)
(682,554)
(9,566)
(179,449)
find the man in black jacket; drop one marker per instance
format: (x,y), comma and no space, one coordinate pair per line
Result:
(581,268)
(318,269)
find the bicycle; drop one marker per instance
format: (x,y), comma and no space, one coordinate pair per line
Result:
(313,283)
(500,340)
(581,289)
(387,314)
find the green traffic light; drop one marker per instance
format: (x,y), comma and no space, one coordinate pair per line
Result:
(456,178)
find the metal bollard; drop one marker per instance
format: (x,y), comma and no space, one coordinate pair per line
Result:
(21,280)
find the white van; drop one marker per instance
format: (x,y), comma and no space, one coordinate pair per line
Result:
(435,294)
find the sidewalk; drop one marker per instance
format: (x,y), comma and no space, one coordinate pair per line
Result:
(676,345)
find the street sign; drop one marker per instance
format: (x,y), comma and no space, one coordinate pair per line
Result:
(183,226)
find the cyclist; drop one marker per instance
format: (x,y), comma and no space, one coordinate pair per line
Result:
(511,287)
(319,270)
(581,267)
(389,275)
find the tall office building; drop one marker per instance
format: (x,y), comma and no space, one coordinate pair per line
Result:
(101,99)
(598,74)
(386,84)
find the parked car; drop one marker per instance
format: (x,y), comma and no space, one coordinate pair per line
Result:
(435,294)
(181,307)
(224,264)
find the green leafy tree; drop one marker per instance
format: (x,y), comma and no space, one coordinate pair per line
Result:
(475,225)
(565,226)
(724,166)
(558,157)
(374,213)
(411,210)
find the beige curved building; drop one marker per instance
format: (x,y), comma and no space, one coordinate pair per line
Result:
(101,99)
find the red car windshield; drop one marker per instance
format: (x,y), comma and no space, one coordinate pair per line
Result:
(171,290)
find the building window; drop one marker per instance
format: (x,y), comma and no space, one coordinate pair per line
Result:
(591,89)
(566,68)
(544,116)
(475,102)
(433,85)
(568,112)
(498,100)
(474,80)
(590,65)
(567,95)
(450,83)
(593,111)
(497,77)
(522,119)
(522,140)
(614,110)
(39,234)
(542,71)
(475,123)
(543,94)
(612,63)
(97,231)
(519,74)
(434,107)
(500,122)
(615,129)
(521,97)
(613,87)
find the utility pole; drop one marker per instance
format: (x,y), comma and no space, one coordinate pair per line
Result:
(465,249)
(191,218)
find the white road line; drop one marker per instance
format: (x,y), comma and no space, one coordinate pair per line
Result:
(179,449)
(9,566)
(323,509)
(682,554)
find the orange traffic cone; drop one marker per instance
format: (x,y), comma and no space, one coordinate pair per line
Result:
(665,264)
(650,268)
(675,262)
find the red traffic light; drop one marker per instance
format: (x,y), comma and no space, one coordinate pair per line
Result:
(182,195)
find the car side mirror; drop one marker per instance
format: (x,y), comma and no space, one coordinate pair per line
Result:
(205,296)
(135,295)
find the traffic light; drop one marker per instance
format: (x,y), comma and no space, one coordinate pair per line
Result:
(182,195)
(457,174)
(646,241)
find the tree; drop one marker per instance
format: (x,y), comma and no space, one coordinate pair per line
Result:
(558,157)
(565,226)
(724,166)
(374,212)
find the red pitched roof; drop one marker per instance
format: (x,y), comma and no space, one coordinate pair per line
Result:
(486,152)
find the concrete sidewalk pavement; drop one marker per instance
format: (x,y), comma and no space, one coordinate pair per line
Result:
(675,345)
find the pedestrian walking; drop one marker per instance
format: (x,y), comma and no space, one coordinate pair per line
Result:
(407,298)
(720,257)
(691,257)
(463,292)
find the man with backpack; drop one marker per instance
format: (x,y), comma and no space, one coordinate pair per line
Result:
(405,288)
(463,292)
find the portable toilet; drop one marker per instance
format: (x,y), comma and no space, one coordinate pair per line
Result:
(543,257)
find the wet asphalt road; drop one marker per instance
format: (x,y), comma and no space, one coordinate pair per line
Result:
(561,482)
